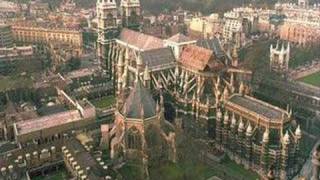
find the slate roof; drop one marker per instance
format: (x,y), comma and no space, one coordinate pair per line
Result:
(158,58)
(199,58)
(140,103)
(179,38)
(257,106)
(212,44)
(140,40)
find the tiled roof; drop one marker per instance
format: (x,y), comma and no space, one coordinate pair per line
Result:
(158,58)
(140,40)
(179,38)
(199,58)
(212,44)
(140,103)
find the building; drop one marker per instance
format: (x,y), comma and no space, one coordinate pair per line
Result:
(9,9)
(131,13)
(279,58)
(6,39)
(203,81)
(231,28)
(48,128)
(256,135)
(205,27)
(38,8)
(300,33)
(301,23)
(24,58)
(303,3)
(28,33)
(109,24)
(140,131)
(178,42)
(78,158)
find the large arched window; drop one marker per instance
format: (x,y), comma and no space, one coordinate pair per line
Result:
(134,18)
(134,139)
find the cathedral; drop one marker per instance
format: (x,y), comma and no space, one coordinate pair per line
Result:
(204,81)
(140,131)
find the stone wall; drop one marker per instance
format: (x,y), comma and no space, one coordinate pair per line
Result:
(306,70)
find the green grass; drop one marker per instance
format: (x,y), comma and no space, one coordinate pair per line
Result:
(130,171)
(177,171)
(301,56)
(192,170)
(313,79)
(104,102)
(235,170)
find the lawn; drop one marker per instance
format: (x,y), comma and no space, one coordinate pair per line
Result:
(191,170)
(131,172)
(313,79)
(104,102)
(235,170)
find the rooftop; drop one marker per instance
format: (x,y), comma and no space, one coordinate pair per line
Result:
(140,103)
(199,58)
(179,38)
(212,44)
(257,106)
(46,122)
(140,40)
(158,58)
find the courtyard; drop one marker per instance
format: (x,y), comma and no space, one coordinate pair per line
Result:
(313,79)
(104,102)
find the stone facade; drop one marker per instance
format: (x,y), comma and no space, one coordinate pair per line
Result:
(26,34)
(6,39)
(138,132)
(300,34)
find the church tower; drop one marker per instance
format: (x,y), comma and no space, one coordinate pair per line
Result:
(279,58)
(107,30)
(131,14)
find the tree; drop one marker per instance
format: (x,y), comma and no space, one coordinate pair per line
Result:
(74,64)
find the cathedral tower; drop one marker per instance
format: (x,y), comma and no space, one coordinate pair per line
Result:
(107,30)
(131,14)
